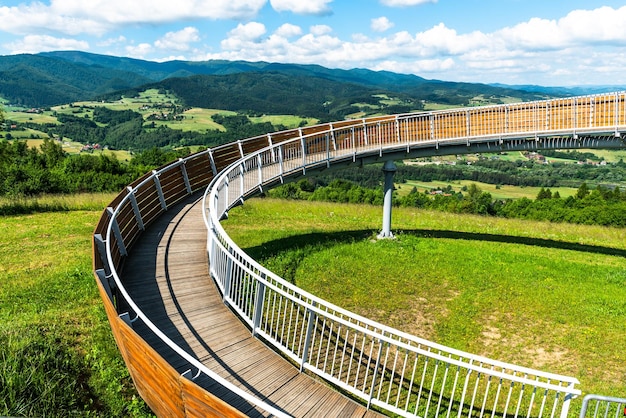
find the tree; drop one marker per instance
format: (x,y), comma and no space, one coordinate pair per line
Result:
(583,191)
(544,194)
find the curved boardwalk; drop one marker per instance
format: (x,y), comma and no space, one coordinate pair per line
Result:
(167,276)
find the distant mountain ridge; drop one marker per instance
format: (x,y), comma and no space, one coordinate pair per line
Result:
(60,77)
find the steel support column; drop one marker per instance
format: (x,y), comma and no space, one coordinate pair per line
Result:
(389,169)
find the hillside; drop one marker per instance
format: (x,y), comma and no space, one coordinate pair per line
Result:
(37,81)
(55,78)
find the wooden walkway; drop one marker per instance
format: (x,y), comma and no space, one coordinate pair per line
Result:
(167,276)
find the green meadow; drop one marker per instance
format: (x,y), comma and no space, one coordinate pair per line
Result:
(497,191)
(57,355)
(542,295)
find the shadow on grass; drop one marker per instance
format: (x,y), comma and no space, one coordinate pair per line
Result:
(320,240)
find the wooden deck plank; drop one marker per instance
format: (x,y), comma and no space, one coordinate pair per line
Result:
(167,275)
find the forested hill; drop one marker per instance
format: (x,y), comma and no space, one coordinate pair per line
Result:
(276,93)
(62,77)
(37,81)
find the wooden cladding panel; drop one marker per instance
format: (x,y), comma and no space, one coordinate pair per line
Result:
(200,403)
(415,129)
(199,171)
(156,381)
(278,137)
(561,115)
(112,315)
(254,144)
(226,155)
(604,110)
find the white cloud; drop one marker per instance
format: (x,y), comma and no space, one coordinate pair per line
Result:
(178,41)
(140,51)
(96,17)
(112,41)
(319,30)
(244,37)
(126,11)
(248,32)
(288,30)
(579,27)
(304,7)
(381,24)
(39,43)
(37,17)
(405,3)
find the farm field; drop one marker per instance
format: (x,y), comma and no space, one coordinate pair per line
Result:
(542,295)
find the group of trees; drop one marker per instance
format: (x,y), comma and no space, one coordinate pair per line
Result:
(26,171)
(601,206)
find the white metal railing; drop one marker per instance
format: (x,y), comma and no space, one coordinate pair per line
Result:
(603,406)
(400,373)
(111,273)
(395,371)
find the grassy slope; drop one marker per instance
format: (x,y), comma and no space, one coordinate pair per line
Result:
(57,354)
(506,289)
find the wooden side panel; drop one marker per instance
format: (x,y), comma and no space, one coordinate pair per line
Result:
(109,308)
(156,381)
(200,403)
(226,155)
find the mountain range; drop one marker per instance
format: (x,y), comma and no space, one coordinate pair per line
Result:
(60,77)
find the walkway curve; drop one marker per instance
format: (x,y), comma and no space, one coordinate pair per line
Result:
(391,370)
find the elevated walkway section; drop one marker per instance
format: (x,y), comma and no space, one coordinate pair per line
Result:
(167,276)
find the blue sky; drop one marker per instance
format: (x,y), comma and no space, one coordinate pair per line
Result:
(547,42)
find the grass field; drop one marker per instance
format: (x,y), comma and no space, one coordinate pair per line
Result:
(57,355)
(497,192)
(542,295)
(290,121)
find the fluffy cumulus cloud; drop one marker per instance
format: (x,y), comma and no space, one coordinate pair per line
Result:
(305,7)
(178,41)
(25,19)
(140,51)
(578,28)
(381,24)
(39,43)
(96,17)
(288,30)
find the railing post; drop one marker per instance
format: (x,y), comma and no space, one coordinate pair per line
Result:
(303,146)
(212,161)
(312,317)
(281,168)
(258,305)
(183,170)
(566,402)
(375,375)
(136,211)
(260,166)
(616,111)
(102,251)
(242,185)
(365,138)
(229,276)
(103,277)
(157,184)
(116,231)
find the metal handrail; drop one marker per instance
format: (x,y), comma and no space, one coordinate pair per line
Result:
(605,405)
